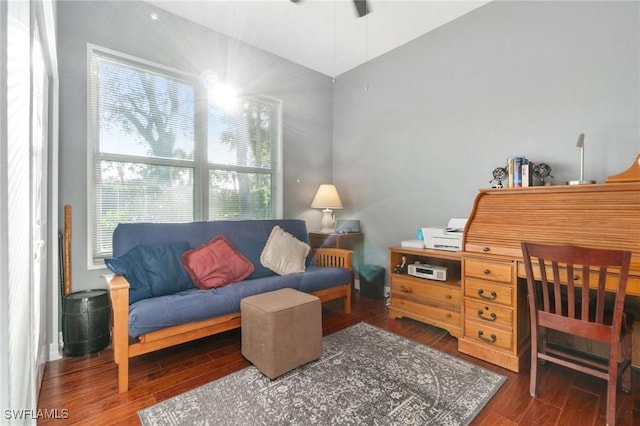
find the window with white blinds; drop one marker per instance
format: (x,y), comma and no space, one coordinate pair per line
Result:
(167,149)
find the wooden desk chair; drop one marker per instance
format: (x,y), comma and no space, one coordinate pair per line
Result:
(561,298)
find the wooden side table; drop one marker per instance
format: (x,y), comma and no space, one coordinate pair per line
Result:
(349,241)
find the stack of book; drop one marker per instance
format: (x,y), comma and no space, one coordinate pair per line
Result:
(519,169)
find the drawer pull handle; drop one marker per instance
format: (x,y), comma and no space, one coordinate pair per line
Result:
(576,277)
(404,289)
(492,296)
(448,315)
(490,339)
(486,272)
(448,296)
(492,316)
(485,249)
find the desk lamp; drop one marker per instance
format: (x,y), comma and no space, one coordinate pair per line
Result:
(327,198)
(580,146)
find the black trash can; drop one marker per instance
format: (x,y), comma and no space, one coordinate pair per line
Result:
(372,281)
(86,319)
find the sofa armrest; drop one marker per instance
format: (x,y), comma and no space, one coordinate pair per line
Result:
(119,294)
(340,258)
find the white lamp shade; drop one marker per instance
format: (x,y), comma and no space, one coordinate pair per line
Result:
(326,198)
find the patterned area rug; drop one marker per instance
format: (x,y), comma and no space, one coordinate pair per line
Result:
(366,376)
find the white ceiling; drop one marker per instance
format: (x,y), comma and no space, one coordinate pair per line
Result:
(324,35)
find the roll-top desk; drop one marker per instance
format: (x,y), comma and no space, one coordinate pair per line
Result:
(495,323)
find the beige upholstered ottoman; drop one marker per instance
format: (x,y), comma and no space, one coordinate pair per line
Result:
(281,330)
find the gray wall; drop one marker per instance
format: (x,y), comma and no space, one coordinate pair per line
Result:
(172,41)
(510,78)
(440,114)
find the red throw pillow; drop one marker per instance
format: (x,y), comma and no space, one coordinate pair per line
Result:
(216,264)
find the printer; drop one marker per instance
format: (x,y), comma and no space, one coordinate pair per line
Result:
(449,238)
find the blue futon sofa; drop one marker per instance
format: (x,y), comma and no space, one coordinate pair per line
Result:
(158,299)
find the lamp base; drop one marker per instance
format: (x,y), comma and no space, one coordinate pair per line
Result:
(328,222)
(581,182)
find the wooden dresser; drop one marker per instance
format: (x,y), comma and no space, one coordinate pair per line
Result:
(495,323)
(430,301)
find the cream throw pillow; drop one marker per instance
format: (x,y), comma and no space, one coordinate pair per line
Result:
(283,253)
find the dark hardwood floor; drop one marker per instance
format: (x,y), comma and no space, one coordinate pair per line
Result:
(87,386)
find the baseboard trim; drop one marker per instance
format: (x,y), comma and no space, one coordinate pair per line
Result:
(55,349)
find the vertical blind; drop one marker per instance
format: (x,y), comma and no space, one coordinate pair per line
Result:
(17,178)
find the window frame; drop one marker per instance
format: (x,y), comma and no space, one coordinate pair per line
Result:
(200,164)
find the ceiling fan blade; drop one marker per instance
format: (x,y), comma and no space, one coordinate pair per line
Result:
(361,7)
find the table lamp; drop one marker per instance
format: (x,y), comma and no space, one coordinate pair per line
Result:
(580,146)
(327,198)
